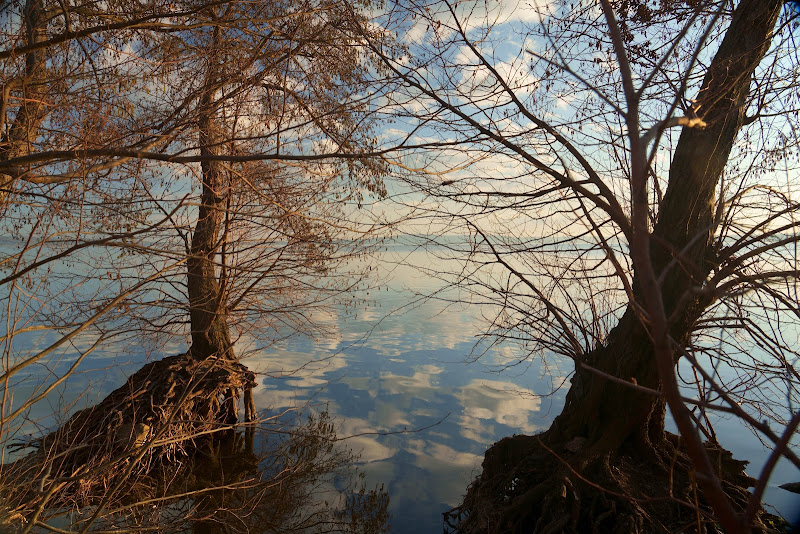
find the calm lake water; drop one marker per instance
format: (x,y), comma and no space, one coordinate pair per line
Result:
(397,374)
(413,390)
(420,367)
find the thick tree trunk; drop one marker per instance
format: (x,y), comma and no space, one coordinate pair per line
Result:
(608,414)
(209,327)
(207,303)
(597,408)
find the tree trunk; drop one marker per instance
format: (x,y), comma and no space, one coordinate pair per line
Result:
(207,302)
(680,245)
(608,414)
(23,131)
(209,327)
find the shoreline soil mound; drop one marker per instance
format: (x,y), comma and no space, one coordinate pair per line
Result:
(535,484)
(162,413)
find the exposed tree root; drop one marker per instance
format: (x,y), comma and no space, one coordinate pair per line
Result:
(160,414)
(536,484)
(279,476)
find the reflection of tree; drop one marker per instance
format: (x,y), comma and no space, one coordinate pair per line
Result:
(279,476)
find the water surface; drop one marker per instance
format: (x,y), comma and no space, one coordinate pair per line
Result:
(425,365)
(413,387)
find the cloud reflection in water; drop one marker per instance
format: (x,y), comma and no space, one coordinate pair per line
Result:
(409,373)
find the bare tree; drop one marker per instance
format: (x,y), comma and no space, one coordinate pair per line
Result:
(661,261)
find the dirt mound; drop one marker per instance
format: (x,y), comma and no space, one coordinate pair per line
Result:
(157,416)
(535,484)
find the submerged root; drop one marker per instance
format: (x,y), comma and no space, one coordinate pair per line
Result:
(282,475)
(534,484)
(159,415)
